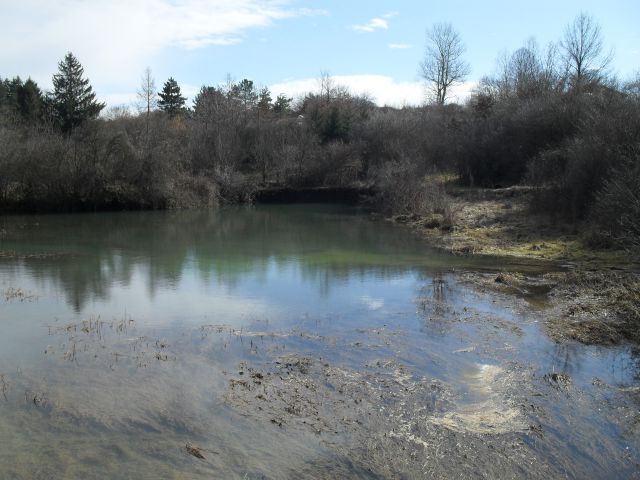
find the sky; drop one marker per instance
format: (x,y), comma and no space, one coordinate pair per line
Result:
(370,46)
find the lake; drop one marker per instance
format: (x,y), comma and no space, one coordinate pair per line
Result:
(289,341)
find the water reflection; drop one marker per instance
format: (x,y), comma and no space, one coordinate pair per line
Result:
(143,320)
(85,255)
(618,365)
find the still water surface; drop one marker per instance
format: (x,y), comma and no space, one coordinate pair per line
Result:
(126,336)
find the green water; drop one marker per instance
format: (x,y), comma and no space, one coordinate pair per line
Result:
(123,335)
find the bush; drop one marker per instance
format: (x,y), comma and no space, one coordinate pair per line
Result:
(570,175)
(402,190)
(496,148)
(617,208)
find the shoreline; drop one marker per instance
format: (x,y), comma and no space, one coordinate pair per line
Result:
(498,222)
(596,301)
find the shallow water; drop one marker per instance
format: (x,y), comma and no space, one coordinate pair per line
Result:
(128,336)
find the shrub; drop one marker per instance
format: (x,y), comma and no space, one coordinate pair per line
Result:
(402,190)
(496,148)
(617,208)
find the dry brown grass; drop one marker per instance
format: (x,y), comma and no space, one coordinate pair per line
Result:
(596,307)
(500,222)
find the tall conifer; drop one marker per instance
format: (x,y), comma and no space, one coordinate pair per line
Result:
(73,100)
(171,99)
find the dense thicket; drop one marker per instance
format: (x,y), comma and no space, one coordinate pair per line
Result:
(551,119)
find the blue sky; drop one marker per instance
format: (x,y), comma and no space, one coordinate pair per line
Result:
(371,46)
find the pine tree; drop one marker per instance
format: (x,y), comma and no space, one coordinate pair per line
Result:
(30,101)
(264,100)
(171,100)
(6,106)
(4,91)
(282,104)
(8,92)
(73,100)
(247,94)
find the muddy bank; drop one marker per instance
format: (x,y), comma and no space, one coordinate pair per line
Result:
(390,422)
(596,301)
(596,307)
(455,395)
(589,306)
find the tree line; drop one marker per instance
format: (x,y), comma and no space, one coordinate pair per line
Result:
(553,118)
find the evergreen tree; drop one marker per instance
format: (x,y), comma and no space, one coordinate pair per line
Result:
(73,99)
(208,100)
(246,93)
(3,91)
(282,104)
(30,101)
(264,100)
(20,101)
(171,99)
(7,92)
(10,88)
(4,101)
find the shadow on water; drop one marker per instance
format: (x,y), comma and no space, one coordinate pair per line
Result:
(287,341)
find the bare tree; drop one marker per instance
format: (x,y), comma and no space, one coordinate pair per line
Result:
(632,87)
(147,94)
(443,65)
(326,85)
(552,69)
(527,72)
(583,50)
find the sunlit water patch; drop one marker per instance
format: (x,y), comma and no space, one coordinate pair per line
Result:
(281,342)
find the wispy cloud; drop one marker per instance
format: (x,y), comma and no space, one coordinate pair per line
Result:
(115,38)
(372,25)
(399,46)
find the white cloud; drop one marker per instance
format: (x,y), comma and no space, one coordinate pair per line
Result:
(461,92)
(119,99)
(399,46)
(384,90)
(371,26)
(115,39)
(372,303)
(188,91)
